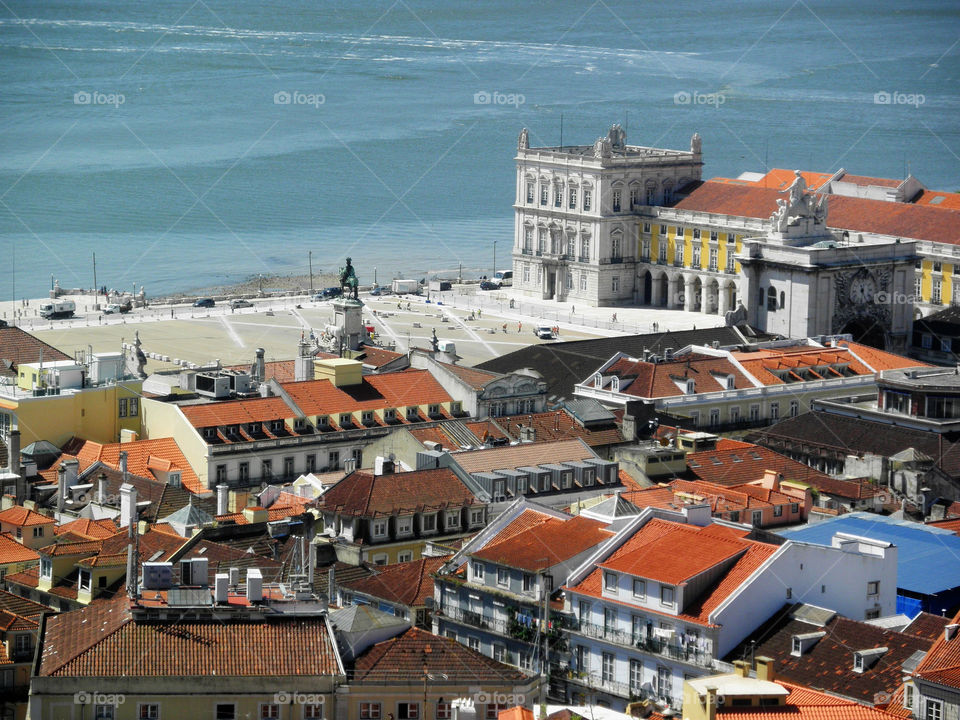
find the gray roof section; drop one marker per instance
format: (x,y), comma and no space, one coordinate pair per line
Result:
(812,614)
(361,618)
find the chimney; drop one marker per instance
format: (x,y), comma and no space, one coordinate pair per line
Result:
(950,632)
(711,702)
(384,465)
(349,464)
(528,434)
(771,480)
(72,468)
(102,488)
(254,514)
(259,366)
(128,507)
(234,577)
(254,585)
(303,365)
(741,668)
(61,487)
(13,445)
(765,669)
(223,499)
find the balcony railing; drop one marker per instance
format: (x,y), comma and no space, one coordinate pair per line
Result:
(630,691)
(583,259)
(474,619)
(527,251)
(653,645)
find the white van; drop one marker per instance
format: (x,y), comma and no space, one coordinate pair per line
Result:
(544,332)
(503,278)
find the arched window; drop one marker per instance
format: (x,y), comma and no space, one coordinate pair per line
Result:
(615,384)
(782,299)
(597,380)
(584,248)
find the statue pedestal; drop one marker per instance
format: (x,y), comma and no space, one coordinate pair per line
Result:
(348,316)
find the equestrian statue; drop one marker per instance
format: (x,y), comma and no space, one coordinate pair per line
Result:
(348,279)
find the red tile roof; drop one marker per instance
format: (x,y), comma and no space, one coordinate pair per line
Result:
(22,517)
(942,663)
(546,544)
(866,181)
(363,494)
(560,425)
(654,555)
(752,556)
(474,378)
(392,390)
(927,625)
(527,519)
(12,551)
(741,465)
(803,703)
(89,529)
(20,347)
(938,199)
(416,652)
(652,380)
(881,359)
(408,583)
(906,220)
(103,640)
(523,455)
(143,457)
(237,412)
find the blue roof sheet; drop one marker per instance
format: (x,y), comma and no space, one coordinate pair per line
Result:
(928,558)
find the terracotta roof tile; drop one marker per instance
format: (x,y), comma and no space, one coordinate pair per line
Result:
(416,651)
(473,377)
(942,663)
(880,359)
(523,455)
(408,583)
(546,544)
(560,425)
(89,529)
(13,552)
(103,640)
(828,664)
(805,704)
(237,412)
(392,390)
(22,517)
(653,380)
(938,199)
(21,347)
(143,456)
(363,494)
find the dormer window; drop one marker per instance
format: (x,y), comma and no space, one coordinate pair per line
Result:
(433,410)
(390,414)
(691,387)
(175,479)
(276,426)
(366,417)
(413,413)
(233,429)
(404,525)
(323,421)
(345,419)
(299,424)
(253,428)
(598,380)
(456,407)
(46,568)
(731,382)
(209,433)
(610,583)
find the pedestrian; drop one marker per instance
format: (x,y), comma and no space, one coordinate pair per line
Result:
(614,317)
(479,313)
(519,327)
(504,327)
(573,309)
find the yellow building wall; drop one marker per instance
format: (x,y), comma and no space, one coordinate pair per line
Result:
(92,414)
(926,280)
(687,247)
(162,420)
(393,550)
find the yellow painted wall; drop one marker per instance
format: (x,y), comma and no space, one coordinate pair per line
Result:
(392,550)
(165,420)
(92,414)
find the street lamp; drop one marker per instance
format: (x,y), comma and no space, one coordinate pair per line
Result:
(494,260)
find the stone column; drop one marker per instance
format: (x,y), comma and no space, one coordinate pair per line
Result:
(723,301)
(673,291)
(689,289)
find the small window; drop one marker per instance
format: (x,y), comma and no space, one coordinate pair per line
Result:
(269,711)
(873,587)
(408,711)
(225,711)
(610,582)
(478,571)
(527,582)
(428,523)
(370,711)
(379,528)
(639,589)
(666,595)
(122,407)
(148,711)
(503,577)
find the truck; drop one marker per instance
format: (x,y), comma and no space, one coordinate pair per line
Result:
(440,285)
(57,309)
(406,287)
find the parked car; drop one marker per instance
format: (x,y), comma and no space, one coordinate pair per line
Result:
(378,291)
(204,303)
(328,293)
(488,285)
(240,303)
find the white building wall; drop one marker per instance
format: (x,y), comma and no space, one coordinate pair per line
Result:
(831,578)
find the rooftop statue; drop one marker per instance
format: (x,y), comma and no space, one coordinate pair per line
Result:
(348,279)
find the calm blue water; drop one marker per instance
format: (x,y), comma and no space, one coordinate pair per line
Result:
(200,177)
